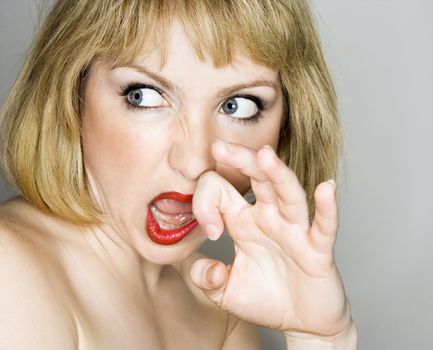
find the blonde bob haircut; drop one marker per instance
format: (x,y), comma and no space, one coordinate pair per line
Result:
(41,153)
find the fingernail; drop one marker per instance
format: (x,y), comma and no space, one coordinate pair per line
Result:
(213,231)
(210,273)
(332,182)
(270,149)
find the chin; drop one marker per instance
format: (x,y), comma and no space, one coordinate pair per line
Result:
(171,253)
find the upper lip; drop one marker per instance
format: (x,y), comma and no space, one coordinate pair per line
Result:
(180,197)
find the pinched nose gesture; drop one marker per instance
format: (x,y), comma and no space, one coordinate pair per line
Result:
(283,275)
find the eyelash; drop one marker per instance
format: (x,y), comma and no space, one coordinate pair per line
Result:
(261,104)
(125,90)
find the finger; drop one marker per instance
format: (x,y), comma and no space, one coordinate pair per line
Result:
(325,224)
(211,277)
(291,197)
(214,198)
(244,159)
(288,237)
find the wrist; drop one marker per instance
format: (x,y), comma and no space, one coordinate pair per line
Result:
(347,339)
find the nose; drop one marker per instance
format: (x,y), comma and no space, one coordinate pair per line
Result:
(190,153)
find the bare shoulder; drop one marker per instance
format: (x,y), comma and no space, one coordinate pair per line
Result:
(32,313)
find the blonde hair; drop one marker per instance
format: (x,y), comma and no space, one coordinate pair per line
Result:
(40,145)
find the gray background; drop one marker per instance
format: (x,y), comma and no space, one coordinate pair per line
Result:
(381,56)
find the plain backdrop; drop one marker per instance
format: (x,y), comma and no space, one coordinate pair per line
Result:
(380,53)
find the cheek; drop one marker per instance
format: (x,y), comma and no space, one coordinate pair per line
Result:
(116,146)
(114,141)
(108,147)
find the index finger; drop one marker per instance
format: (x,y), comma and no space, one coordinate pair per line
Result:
(244,159)
(292,199)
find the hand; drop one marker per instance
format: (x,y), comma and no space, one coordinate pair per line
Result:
(283,275)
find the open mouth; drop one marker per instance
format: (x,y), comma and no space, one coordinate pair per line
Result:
(171,221)
(170,217)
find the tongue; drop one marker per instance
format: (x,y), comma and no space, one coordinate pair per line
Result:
(172,207)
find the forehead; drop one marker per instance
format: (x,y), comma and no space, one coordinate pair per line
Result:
(218,31)
(178,60)
(179,53)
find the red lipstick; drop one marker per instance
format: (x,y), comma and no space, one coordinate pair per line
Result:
(170,209)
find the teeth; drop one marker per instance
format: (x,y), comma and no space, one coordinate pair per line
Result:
(182,218)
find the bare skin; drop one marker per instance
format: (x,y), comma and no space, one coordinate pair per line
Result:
(110,286)
(90,304)
(116,288)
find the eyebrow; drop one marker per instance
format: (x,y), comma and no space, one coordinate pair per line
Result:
(222,93)
(255,83)
(161,80)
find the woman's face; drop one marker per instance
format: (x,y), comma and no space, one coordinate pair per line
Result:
(148,130)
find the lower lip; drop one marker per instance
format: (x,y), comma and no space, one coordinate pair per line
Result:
(166,237)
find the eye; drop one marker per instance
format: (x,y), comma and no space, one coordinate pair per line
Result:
(241,107)
(144,97)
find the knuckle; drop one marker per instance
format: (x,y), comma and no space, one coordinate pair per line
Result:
(266,215)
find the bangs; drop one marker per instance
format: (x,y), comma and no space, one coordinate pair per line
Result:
(262,30)
(40,123)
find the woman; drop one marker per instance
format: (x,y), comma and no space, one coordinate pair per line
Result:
(132,133)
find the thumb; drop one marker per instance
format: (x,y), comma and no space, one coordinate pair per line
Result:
(214,198)
(211,277)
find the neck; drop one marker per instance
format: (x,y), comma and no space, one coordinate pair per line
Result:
(88,247)
(119,255)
